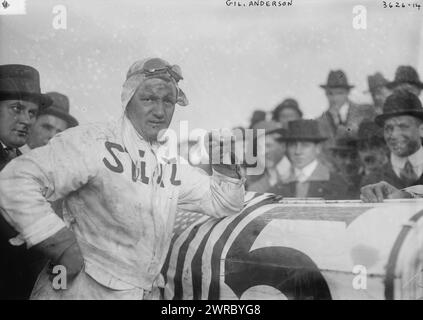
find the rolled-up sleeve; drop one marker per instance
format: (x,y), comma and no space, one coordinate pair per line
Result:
(45,174)
(216,195)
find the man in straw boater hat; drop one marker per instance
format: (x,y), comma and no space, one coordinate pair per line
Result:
(406,78)
(309,177)
(401,120)
(343,116)
(51,121)
(20,102)
(121,195)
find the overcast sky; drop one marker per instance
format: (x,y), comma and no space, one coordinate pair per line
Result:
(234,59)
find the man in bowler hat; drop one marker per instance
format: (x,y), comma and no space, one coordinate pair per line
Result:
(308,177)
(51,121)
(20,102)
(347,164)
(406,78)
(401,120)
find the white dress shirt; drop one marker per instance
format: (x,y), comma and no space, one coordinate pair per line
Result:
(416,160)
(303,174)
(343,112)
(284,169)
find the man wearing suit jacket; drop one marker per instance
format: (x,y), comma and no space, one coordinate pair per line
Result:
(309,177)
(401,120)
(20,102)
(343,116)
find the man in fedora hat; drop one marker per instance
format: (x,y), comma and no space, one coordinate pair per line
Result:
(287,110)
(308,176)
(401,121)
(51,121)
(20,102)
(271,149)
(347,164)
(406,78)
(122,188)
(378,90)
(343,116)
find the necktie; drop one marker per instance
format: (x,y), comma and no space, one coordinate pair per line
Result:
(300,176)
(301,186)
(11,153)
(408,175)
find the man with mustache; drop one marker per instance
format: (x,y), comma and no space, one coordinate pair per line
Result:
(401,120)
(20,102)
(121,189)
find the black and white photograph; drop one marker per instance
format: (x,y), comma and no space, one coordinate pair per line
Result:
(211,150)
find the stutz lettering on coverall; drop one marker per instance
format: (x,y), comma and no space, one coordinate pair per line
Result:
(137,173)
(118,167)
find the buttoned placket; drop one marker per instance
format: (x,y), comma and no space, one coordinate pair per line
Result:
(155,205)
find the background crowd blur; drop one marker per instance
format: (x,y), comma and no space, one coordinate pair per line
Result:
(349,145)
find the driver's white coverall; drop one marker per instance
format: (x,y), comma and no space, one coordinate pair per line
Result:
(122,213)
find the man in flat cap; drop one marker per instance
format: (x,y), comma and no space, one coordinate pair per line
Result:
(20,102)
(401,120)
(343,116)
(51,121)
(406,78)
(308,176)
(121,191)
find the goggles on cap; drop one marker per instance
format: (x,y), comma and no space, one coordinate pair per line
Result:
(156,67)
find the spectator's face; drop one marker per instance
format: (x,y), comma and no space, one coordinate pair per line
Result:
(16,118)
(337,96)
(45,128)
(409,87)
(372,157)
(274,151)
(151,108)
(379,96)
(302,153)
(346,161)
(402,135)
(286,115)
